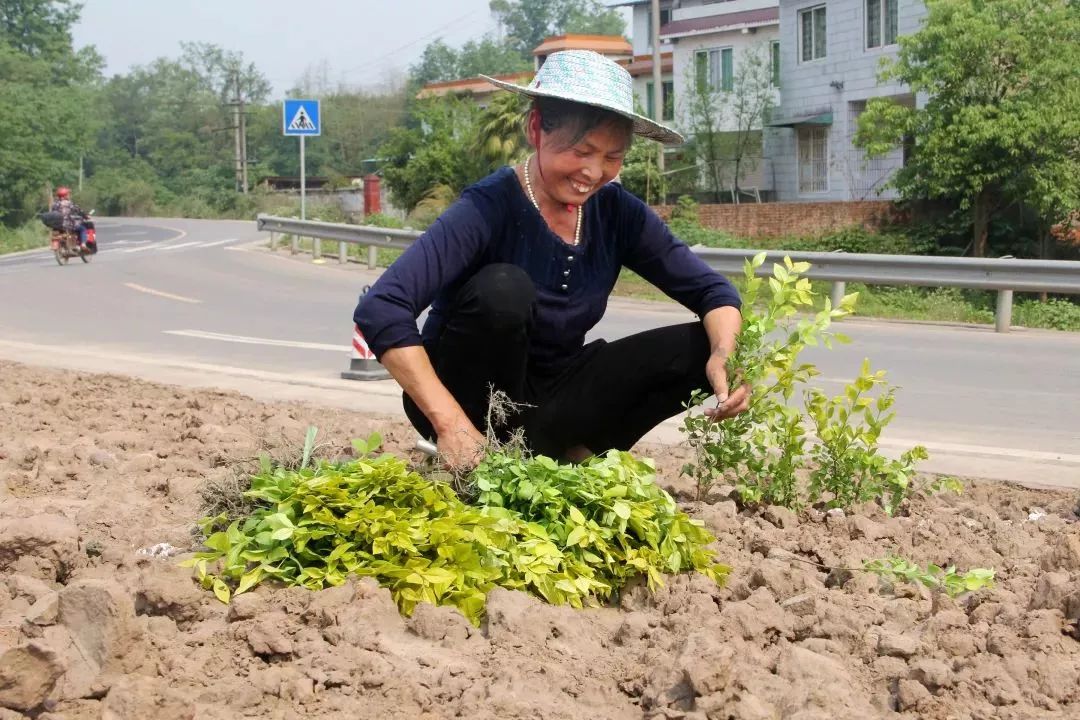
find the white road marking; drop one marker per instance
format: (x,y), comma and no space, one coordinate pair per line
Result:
(984,450)
(204,335)
(181,245)
(151,246)
(217,242)
(159,293)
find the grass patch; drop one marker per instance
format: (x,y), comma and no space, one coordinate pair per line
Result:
(25,237)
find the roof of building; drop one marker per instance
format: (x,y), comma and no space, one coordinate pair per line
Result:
(474,85)
(642,64)
(603,44)
(722,21)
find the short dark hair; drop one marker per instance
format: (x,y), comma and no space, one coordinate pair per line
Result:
(572,121)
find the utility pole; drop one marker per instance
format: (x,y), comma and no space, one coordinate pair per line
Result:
(658,77)
(243,149)
(239,135)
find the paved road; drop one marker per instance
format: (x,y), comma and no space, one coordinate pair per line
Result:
(202,303)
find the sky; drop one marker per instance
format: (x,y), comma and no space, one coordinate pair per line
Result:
(364,43)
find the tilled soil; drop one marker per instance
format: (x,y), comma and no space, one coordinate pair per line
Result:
(98,472)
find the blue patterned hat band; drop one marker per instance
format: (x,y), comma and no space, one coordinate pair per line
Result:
(589,78)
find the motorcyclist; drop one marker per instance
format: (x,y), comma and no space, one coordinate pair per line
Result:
(71,213)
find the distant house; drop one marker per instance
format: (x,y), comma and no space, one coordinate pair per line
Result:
(477,87)
(829,56)
(615,47)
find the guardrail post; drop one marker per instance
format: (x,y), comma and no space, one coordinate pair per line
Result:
(342,253)
(273,240)
(836,293)
(1003,316)
(295,244)
(316,248)
(372,257)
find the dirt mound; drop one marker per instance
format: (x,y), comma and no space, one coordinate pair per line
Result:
(99,484)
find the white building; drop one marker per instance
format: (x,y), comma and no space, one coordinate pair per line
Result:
(829,59)
(710,40)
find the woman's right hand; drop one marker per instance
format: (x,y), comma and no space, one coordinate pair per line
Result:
(462,448)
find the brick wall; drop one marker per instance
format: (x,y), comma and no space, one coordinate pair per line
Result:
(778,219)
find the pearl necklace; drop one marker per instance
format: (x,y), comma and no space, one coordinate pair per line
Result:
(532,196)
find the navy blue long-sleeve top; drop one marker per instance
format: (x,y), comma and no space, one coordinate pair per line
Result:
(495,222)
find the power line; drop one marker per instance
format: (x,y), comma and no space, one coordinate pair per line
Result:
(409,44)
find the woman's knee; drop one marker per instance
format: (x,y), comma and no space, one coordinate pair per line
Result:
(502,295)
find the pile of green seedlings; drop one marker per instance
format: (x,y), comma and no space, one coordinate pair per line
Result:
(570,534)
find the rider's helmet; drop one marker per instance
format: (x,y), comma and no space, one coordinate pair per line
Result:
(63,192)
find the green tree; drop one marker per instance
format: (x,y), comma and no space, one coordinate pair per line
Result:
(1001,122)
(47,91)
(641,174)
(490,57)
(438,63)
(220,70)
(501,136)
(439,148)
(703,125)
(745,110)
(487,56)
(725,123)
(528,22)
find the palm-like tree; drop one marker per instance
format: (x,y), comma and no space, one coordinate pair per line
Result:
(502,140)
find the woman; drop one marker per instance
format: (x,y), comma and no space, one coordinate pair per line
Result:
(519,269)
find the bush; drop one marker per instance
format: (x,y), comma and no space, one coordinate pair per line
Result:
(32,234)
(1054,314)
(765,451)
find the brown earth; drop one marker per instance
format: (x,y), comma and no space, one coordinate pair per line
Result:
(95,468)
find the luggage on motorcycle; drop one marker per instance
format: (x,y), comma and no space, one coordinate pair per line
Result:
(52,220)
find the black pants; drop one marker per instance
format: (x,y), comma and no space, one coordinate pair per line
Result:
(609,397)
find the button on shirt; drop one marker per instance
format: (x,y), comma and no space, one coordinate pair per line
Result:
(495,222)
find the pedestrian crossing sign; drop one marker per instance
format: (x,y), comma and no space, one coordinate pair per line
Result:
(301,117)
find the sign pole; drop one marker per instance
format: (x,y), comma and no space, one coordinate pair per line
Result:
(302,118)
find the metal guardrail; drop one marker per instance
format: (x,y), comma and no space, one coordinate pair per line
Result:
(1004,275)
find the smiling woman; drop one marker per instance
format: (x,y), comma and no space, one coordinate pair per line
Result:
(520,268)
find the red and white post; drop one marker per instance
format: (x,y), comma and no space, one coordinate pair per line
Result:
(362,364)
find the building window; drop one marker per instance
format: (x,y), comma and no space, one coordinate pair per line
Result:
(881,22)
(812,34)
(813,144)
(716,69)
(774,62)
(669,100)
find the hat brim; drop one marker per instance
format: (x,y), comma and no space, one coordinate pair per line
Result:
(643,126)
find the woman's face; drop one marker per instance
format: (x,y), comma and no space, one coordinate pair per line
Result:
(571,175)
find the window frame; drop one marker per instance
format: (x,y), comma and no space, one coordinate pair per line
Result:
(774,63)
(667,109)
(803,13)
(726,81)
(882,24)
(822,162)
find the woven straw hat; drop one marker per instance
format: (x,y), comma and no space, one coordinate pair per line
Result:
(586,77)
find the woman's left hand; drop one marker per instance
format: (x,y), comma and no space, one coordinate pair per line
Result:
(730,404)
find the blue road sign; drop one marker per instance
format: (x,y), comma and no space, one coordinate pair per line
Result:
(301,117)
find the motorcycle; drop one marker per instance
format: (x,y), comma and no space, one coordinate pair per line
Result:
(65,243)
